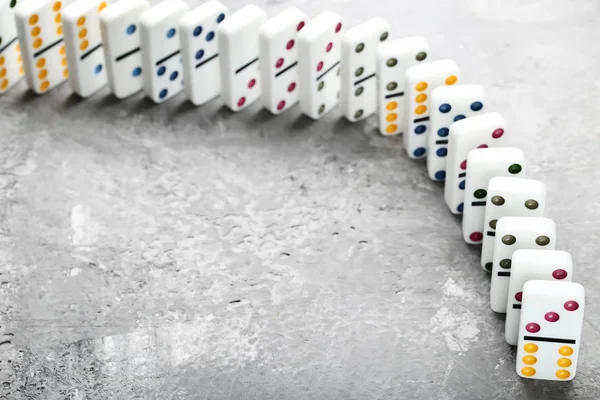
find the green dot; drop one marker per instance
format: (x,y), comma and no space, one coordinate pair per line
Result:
(13,3)
(421,56)
(480,193)
(505,263)
(488,267)
(515,169)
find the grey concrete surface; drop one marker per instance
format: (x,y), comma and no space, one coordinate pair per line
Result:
(173,252)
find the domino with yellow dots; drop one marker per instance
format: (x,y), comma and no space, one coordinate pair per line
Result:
(420,82)
(40,33)
(550,330)
(11,61)
(83,41)
(393,59)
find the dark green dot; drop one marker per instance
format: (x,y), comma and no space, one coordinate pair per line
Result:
(542,240)
(322,108)
(480,193)
(321,85)
(515,169)
(359,71)
(391,86)
(359,91)
(384,36)
(421,56)
(358,114)
(531,204)
(505,263)
(509,240)
(13,3)
(488,267)
(497,200)
(391,62)
(360,47)
(493,223)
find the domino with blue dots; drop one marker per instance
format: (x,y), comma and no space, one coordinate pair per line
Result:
(121,42)
(161,49)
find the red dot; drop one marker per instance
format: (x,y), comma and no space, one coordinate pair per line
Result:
(571,305)
(329,47)
(551,317)
(476,236)
(532,327)
(498,133)
(319,66)
(290,44)
(281,105)
(241,101)
(291,87)
(338,27)
(559,274)
(279,63)
(300,26)
(463,165)
(519,296)
(482,146)
(252,83)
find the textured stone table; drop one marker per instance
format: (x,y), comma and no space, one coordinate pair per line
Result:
(173,252)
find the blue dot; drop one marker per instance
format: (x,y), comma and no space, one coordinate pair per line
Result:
(98,69)
(197,31)
(440,175)
(459,117)
(174,75)
(442,152)
(161,71)
(443,132)
(445,108)
(461,185)
(163,93)
(220,18)
(171,33)
(477,106)
(199,54)
(460,207)
(131,29)
(210,36)
(420,129)
(137,72)
(420,152)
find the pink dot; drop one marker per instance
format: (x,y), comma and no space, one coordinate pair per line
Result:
(463,165)
(290,44)
(300,26)
(291,87)
(319,66)
(498,133)
(551,317)
(519,296)
(476,236)
(329,47)
(279,63)
(281,105)
(532,327)
(482,146)
(338,27)
(241,102)
(559,274)
(571,305)
(252,83)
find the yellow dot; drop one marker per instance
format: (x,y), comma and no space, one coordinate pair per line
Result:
(35,31)
(1,61)
(421,98)
(451,80)
(20,59)
(391,128)
(37,43)
(63,51)
(64,61)
(84,45)
(565,351)
(420,110)
(102,6)
(564,362)
(59,30)
(563,374)
(528,371)
(392,105)
(4,84)
(82,33)
(66,73)
(21,70)
(40,63)
(44,86)
(391,117)
(530,347)
(421,86)
(33,19)
(81,21)
(18,47)
(2,72)
(56,6)
(58,18)
(43,74)
(529,360)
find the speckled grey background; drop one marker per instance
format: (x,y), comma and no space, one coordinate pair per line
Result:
(173,252)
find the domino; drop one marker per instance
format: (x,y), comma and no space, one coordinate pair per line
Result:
(420,82)
(119,27)
(40,33)
(509,197)
(279,60)
(481,131)
(527,265)
(393,58)
(83,42)
(161,50)
(239,52)
(550,330)
(200,51)
(11,60)
(515,233)
(358,94)
(450,104)
(319,51)
(485,164)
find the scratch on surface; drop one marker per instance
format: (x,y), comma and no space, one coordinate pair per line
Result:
(447,374)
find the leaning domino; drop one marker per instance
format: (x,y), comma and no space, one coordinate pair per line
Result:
(11,60)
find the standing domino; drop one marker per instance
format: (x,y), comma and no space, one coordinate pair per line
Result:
(121,42)
(481,131)
(358,68)
(40,32)
(550,330)
(527,265)
(161,58)
(200,51)
(279,60)
(11,61)
(485,164)
(509,197)
(512,234)
(393,59)
(450,104)
(239,52)
(420,82)
(83,41)
(319,54)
